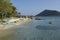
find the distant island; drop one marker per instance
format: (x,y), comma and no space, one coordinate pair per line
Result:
(49,13)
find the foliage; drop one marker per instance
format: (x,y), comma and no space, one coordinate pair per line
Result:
(7,9)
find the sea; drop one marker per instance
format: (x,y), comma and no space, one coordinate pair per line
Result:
(46,29)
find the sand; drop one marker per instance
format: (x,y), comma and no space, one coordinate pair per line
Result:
(8,29)
(7,26)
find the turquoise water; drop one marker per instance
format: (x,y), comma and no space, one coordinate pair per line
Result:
(36,30)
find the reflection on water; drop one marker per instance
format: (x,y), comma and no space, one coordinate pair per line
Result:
(35,30)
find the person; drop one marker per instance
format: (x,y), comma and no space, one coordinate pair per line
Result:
(50,22)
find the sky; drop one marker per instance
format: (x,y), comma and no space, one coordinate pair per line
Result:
(33,7)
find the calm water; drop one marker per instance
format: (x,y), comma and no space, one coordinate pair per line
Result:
(35,30)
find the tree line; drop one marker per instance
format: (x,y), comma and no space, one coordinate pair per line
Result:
(7,10)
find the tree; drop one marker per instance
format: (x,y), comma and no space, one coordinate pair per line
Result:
(7,9)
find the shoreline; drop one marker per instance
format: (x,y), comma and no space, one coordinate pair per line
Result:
(5,30)
(8,26)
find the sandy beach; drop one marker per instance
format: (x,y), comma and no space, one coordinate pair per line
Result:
(7,26)
(8,29)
